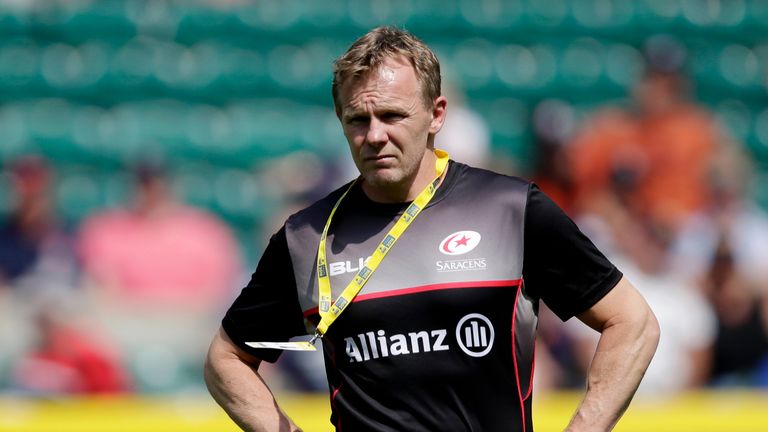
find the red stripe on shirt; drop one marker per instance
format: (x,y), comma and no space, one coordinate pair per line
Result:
(514,361)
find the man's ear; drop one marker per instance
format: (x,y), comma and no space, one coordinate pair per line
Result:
(438,114)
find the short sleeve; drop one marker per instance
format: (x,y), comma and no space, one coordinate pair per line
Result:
(267,310)
(561,266)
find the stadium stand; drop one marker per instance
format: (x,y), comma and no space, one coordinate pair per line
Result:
(231,84)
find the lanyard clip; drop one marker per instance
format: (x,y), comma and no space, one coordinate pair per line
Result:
(317,336)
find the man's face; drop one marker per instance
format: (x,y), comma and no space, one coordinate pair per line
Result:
(658,92)
(387,125)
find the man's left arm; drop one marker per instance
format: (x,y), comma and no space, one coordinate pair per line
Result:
(629,334)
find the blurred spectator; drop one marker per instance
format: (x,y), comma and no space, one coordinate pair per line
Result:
(557,365)
(67,359)
(160,251)
(666,162)
(741,347)
(36,249)
(658,153)
(37,254)
(732,218)
(684,356)
(466,136)
(553,125)
(726,248)
(160,270)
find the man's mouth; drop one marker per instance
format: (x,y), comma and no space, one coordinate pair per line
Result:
(378,158)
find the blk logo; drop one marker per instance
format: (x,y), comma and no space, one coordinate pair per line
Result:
(459,242)
(474,333)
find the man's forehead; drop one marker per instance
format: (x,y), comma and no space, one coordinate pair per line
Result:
(387,67)
(391,78)
(386,72)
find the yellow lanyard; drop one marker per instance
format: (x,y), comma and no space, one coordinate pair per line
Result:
(329,312)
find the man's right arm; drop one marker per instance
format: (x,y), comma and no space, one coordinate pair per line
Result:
(233,380)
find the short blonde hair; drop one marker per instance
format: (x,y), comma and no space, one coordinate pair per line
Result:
(369,51)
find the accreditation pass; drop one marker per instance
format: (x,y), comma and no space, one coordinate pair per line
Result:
(290,346)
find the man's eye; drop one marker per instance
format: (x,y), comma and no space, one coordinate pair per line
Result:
(358,120)
(391,117)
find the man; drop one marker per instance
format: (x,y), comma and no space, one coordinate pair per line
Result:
(441,336)
(159,250)
(658,156)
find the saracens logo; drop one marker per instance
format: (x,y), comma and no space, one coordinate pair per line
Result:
(460,242)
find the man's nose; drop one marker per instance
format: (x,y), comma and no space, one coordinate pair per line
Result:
(377,133)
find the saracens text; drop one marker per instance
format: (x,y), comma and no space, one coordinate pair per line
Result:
(461,265)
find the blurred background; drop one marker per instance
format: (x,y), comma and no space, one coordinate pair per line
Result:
(149,149)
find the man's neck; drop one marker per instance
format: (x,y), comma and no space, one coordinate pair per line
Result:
(409,189)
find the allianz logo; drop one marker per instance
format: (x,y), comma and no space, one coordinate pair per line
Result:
(474,335)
